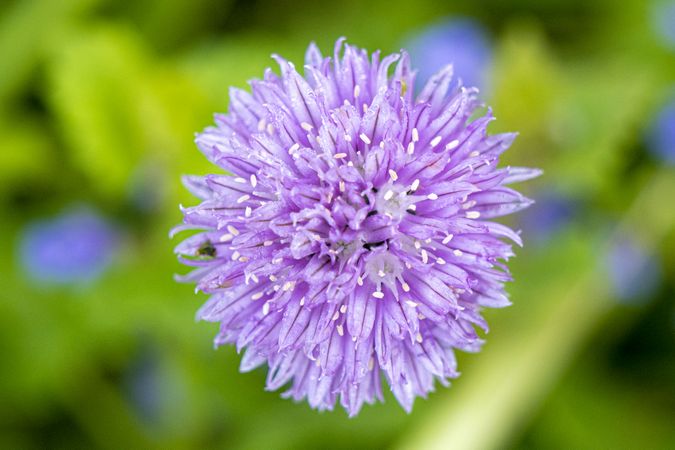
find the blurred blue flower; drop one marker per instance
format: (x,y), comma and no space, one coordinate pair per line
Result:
(461,42)
(75,247)
(552,212)
(634,273)
(663,21)
(661,138)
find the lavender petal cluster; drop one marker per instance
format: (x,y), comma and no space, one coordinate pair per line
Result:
(347,241)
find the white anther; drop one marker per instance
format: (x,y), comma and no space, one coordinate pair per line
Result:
(266,308)
(381,273)
(253,180)
(472,215)
(393,174)
(293,148)
(415,135)
(235,255)
(257,296)
(457,252)
(440,261)
(339,155)
(359,281)
(411,147)
(357,91)
(226,237)
(343,309)
(233,230)
(412,207)
(340,330)
(364,138)
(378,294)
(415,184)
(425,256)
(305,126)
(418,338)
(405,286)
(248,211)
(268,243)
(243,198)
(432,196)
(452,144)
(411,303)
(289,285)
(447,239)
(341,186)
(348,138)
(474,154)
(254,277)
(239,180)
(273,278)
(418,245)
(434,142)
(388,195)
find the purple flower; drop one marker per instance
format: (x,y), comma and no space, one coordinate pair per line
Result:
(353,239)
(75,247)
(634,273)
(661,138)
(552,212)
(463,43)
(663,21)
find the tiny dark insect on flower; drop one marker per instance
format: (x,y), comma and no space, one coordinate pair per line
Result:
(351,243)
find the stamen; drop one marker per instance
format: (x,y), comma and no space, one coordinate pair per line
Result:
(388,195)
(415,184)
(452,144)
(343,309)
(339,155)
(440,261)
(411,147)
(254,180)
(393,174)
(340,330)
(243,198)
(257,295)
(266,308)
(365,138)
(226,237)
(239,180)
(248,211)
(411,303)
(425,256)
(305,126)
(434,142)
(233,230)
(357,91)
(447,239)
(378,294)
(415,135)
(293,148)
(432,196)
(472,215)
(235,255)
(457,252)
(268,243)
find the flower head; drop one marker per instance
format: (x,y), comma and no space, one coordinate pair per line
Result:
(75,247)
(353,239)
(462,42)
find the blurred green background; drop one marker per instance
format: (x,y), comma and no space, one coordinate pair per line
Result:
(99,103)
